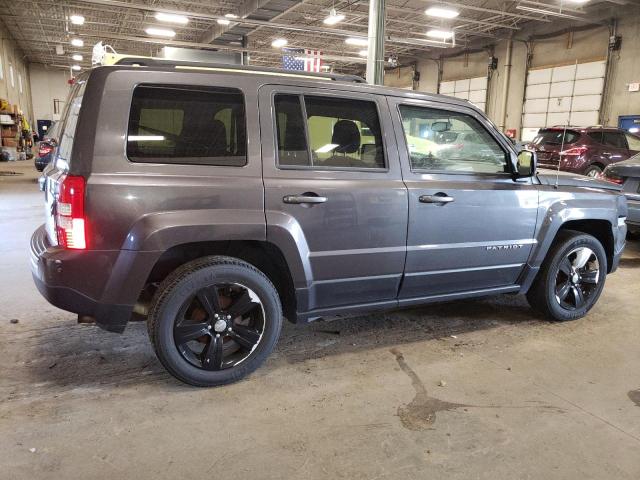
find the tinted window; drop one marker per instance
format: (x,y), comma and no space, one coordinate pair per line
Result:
(595,136)
(450,141)
(189,125)
(633,141)
(328,132)
(70,122)
(614,139)
(554,137)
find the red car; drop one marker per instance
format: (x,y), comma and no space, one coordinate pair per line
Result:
(587,151)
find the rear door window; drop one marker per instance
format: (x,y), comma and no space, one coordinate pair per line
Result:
(187,125)
(328,132)
(554,137)
(614,139)
(70,122)
(595,136)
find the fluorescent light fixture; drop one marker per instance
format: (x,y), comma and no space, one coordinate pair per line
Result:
(160,32)
(358,42)
(76,57)
(231,15)
(333,18)
(76,67)
(77,19)
(279,42)
(441,12)
(443,34)
(329,147)
(171,18)
(223,21)
(145,138)
(578,1)
(634,130)
(363,53)
(77,42)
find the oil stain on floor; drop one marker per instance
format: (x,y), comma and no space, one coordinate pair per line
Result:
(634,396)
(420,414)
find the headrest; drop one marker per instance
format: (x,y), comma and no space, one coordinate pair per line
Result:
(347,136)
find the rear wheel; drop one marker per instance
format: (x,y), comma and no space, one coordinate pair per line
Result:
(214,321)
(571,278)
(593,171)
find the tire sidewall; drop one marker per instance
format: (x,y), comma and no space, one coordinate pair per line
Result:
(184,288)
(556,310)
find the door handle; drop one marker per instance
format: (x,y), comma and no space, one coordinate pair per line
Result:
(437,198)
(305,198)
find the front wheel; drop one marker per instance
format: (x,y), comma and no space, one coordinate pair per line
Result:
(571,278)
(214,320)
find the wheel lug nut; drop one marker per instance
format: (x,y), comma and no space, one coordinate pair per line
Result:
(209,327)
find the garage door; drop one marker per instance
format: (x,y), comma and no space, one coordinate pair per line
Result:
(560,95)
(472,89)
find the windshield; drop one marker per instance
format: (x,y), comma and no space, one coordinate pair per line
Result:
(554,137)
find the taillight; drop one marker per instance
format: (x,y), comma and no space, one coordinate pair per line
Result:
(70,221)
(577,151)
(44,149)
(610,177)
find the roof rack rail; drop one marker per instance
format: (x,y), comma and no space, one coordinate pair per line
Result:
(157,62)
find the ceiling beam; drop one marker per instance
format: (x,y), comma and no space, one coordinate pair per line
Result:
(244,9)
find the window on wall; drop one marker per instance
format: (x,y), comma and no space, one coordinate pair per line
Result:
(187,125)
(328,132)
(1,68)
(11,77)
(446,141)
(20,82)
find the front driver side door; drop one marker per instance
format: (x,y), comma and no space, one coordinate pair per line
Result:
(471,226)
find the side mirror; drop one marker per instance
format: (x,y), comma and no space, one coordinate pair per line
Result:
(440,126)
(527,163)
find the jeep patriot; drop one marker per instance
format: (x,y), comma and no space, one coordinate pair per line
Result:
(214,201)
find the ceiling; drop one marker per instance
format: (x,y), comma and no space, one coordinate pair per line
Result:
(39,26)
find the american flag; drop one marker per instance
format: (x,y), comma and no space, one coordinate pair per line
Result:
(302,59)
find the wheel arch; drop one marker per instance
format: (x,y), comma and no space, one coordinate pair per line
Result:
(263,255)
(600,229)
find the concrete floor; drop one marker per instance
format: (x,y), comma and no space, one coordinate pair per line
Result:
(475,389)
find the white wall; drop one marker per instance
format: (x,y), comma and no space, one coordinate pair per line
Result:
(47,85)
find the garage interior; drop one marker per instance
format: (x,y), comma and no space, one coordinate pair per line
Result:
(470,389)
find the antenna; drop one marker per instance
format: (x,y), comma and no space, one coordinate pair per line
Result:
(564,135)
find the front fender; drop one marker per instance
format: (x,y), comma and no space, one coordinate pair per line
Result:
(556,208)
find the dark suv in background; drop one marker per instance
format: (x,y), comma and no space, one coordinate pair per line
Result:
(587,151)
(214,202)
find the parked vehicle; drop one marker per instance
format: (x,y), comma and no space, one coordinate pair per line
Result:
(586,151)
(46,148)
(215,201)
(627,174)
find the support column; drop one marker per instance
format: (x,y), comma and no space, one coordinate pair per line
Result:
(375,58)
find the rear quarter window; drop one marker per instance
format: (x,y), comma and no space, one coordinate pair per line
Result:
(187,125)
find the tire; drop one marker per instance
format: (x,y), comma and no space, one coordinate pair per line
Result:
(550,285)
(593,171)
(183,308)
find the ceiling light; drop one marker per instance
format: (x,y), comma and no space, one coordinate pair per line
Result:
(76,57)
(333,18)
(358,42)
(441,12)
(77,19)
(171,18)
(223,21)
(363,53)
(77,42)
(279,42)
(579,1)
(76,67)
(160,32)
(231,15)
(442,34)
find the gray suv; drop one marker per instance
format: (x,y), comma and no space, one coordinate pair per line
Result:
(213,201)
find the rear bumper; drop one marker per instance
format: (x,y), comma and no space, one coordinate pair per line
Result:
(71,280)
